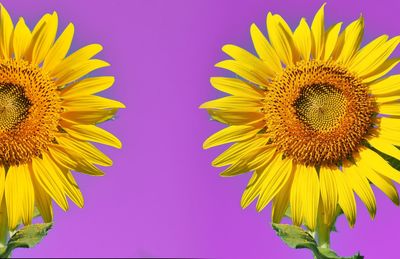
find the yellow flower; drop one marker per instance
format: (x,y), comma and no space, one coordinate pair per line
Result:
(308,115)
(47,118)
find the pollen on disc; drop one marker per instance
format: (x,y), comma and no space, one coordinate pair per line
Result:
(29,112)
(322,107)
(14,106)
(318,112)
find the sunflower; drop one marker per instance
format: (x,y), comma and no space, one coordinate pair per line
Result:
(48,117)
(311,117)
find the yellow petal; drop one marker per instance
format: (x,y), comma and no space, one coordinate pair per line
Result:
(245,71)
(251,191)
(84,149)
(380,181)
(20,196)
(237,150)
(94,134)
(12,197)
(371,159)
(385,147)
(60,48)
(363,57)
(246,57)
(234,103)
(27,196)
(381,70)
(87,86)
(236,118)
(3,224)
(302,39)
(236,87)
(391,108)
(252,160)
(79,70)
(43,200)
(280,36)
(388,86)
(281,201)
(390,136)
(387,99)
(79,56)
(318,33)
(89,116)
(72,188)
(91,102)
(304,196)
(389,128)
(6,30)
(61,180)
(329,193)
(331,39)
(230,134)
(68,158)
(277,174)
(310,197)
(40,23)
(346,197)
(296,195)
(351,39)
(391,124)
(43,39)
(256,181)
(264,50)
(47,174)
(2,182)
(355,177)
(377,57)
(21,39)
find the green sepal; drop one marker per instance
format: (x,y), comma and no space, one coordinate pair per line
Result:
(26,237)
(296,237)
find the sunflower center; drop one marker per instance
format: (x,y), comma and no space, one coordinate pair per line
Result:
(14,106)
(318,112)
(29,112)
(321,107)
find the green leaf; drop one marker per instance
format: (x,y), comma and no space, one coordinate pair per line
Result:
(327,252)
(296,237)
(26,237)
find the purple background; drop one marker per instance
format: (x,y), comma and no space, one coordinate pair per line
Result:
(162,198)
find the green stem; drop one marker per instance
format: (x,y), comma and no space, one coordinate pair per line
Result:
(323,232)
(322,235)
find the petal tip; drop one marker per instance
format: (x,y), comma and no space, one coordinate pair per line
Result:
(206,144)
(213,80)
(122,106)
(222,64)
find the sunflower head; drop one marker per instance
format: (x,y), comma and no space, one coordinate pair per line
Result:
(311,115)
(327,107)
(48,117)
